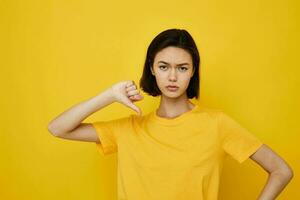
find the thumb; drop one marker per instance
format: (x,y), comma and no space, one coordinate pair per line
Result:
(129,104)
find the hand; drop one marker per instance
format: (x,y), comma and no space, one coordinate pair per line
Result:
(126,92)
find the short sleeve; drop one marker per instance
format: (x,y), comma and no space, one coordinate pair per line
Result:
(108,133)
(236,140)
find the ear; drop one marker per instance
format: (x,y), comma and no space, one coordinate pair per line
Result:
(193,72)
(152,71)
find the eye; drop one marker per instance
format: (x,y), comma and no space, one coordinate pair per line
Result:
(183,68)
(162,66)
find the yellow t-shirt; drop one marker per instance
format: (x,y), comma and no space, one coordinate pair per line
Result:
(174,159)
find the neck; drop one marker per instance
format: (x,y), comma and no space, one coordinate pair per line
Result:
(170,107)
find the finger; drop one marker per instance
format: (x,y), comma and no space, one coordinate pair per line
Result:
(139,112)
(129,83)
(136,97)
(139,96)
(129,104)
(131,87)
(133,92)
(136,109)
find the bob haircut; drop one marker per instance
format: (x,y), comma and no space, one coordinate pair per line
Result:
(177,38)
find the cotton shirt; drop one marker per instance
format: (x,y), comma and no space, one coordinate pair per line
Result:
(174,158)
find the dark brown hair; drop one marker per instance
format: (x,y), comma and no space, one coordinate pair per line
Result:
(177,38)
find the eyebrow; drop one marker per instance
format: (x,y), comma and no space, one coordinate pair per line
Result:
(168,63)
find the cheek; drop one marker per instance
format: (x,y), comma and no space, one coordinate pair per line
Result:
(160,78)
(185,81)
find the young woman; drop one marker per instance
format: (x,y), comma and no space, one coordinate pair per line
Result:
(176,151)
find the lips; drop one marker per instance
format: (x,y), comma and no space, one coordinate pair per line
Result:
(172,86)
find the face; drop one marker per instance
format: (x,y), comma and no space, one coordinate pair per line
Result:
(173,66)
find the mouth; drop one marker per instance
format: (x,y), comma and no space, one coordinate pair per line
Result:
(172,88)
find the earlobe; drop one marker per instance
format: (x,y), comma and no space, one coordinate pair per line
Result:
(152,71)
(192,75)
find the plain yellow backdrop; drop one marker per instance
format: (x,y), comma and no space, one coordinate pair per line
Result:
(55,54)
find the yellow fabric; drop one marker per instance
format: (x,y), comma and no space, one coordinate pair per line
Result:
(174,159)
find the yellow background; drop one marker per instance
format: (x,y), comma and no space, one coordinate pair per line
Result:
(55,54)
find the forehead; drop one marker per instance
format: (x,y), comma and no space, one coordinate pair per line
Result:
(173,55)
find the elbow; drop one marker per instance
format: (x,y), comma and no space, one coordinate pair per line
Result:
(286,173)
(53,130)
(290,174)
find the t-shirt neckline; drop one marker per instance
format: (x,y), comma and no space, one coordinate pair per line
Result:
(173,121)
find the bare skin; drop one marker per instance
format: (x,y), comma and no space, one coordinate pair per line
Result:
(173,104)
(68,125)
(167,71)
(279,171)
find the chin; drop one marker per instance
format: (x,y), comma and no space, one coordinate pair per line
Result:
(172,94)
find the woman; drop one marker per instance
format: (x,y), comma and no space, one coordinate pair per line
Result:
(176,151)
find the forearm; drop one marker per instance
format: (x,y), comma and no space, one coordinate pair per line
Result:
(72,117)
(276,182)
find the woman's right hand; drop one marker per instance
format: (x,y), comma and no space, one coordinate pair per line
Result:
(126,92)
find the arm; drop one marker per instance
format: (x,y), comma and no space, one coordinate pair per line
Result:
(280,173)
(68,124)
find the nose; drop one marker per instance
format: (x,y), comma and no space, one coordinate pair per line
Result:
(172,75)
